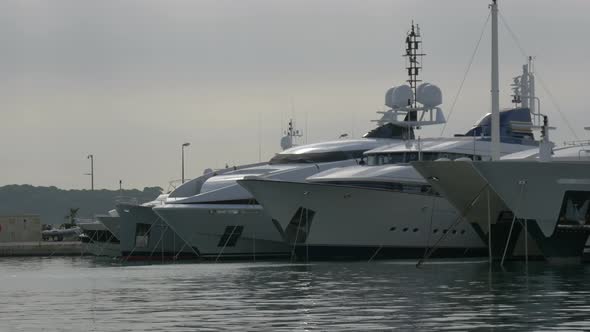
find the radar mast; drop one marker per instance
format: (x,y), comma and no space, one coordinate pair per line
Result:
(413,57)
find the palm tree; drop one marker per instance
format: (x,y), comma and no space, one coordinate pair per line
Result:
(71,217)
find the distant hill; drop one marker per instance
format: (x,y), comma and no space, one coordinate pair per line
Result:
(53,204)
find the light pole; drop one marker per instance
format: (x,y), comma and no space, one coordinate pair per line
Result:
(91,157)
(182,148)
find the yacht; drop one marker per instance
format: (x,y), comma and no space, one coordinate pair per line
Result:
(225,221)
(544,192)
(383,208)
(535,205)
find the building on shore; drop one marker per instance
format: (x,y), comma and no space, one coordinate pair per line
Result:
(20,228)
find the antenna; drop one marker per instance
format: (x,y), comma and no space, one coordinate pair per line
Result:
(413,57)
(523,88)
(287,140)
(413,105)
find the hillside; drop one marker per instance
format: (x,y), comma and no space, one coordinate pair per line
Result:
(53,203)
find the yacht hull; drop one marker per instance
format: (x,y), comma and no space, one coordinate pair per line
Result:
(145,236)
(324,221)
(536,192)
(218,231)
(551,197)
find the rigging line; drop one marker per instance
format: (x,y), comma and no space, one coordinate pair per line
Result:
(463,212)
(543,85)
(148,232)
(465,75)
(296,235)
(430,228)
(512,224)
(158,243)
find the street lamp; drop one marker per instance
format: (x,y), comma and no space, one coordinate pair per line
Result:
(91,157)
(182,148)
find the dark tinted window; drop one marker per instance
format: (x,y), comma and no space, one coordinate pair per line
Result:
(409,156)
(316,157)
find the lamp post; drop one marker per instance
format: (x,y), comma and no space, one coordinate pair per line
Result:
(182,148)
(91,157)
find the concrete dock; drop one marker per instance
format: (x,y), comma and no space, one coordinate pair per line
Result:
(41,248)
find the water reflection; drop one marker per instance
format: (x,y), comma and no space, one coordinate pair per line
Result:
(85,294)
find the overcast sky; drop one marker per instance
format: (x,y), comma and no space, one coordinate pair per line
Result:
(130,81)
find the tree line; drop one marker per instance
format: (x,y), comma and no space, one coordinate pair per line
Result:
(54,204)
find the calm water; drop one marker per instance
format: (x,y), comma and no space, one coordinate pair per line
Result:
(85,294)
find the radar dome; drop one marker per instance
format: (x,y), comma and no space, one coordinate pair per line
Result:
(399,96)
(429,95)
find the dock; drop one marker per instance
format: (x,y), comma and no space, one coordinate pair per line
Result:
(41,248)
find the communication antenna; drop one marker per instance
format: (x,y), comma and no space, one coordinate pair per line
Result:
(287,141)
(413,57)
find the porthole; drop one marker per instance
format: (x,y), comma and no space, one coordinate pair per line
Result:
(415,230)
(444,231)
(392,228)
(435,231)
(454,231)
(462,231)
(405,229)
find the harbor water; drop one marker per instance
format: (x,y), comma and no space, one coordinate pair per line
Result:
(89,294)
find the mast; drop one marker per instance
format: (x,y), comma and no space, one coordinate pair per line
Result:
(533,97)
(413,65)
(495,128)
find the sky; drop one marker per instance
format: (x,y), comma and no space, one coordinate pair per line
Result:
(129,81)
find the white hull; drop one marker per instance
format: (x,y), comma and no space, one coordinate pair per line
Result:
(536,190)
(553,198)
(225,231)
(345,218)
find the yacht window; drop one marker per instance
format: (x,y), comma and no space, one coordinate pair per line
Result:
(315,157)
(385,158)
(409,156)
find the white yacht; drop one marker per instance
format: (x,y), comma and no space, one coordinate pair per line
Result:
(544,192)
(546,196)
(225,221)
(384,208)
